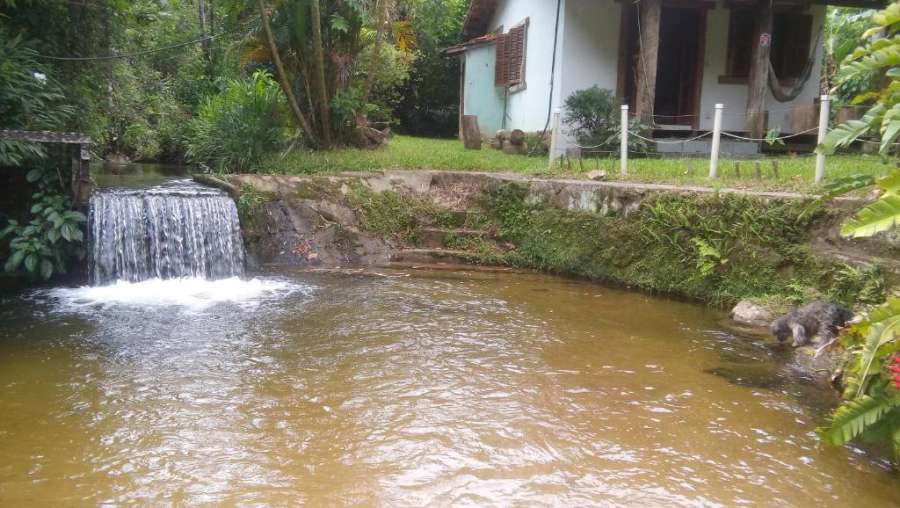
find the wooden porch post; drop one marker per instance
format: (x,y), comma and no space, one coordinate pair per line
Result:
(462,93)
(759,70)
(648,49)
(81,176)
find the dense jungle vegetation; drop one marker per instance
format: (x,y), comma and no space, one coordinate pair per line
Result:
(150,80)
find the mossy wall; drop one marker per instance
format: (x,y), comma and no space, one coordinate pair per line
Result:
(719,248)
(714,247)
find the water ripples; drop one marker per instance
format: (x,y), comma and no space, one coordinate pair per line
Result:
(445,390)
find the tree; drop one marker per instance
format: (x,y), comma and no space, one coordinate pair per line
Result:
(428,106)
(317,48)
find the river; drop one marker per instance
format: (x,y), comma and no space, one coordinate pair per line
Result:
(405,388)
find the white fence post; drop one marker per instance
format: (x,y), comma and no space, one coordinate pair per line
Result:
(554,137)
(623,143)
(824,111)
(717,135)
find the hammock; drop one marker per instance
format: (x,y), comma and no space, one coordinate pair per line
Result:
(787,94)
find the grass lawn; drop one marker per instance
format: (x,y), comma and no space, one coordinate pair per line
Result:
(404,152)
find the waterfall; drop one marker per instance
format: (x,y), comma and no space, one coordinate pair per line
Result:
(180,229)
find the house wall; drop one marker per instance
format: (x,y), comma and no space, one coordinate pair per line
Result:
(591,56)
(591,44)
(588,49)
(480,96)
(734,96)
(527,107)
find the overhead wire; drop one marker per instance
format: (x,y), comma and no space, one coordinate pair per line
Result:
(138,53)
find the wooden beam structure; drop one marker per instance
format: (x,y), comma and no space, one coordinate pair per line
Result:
(81,175)
(645,81)
(759,70)
(72,138)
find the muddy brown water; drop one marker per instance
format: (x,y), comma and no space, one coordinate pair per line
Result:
(400,388)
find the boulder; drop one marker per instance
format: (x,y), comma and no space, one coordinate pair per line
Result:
(502,135)
(517,137)
(513,149)
(753,314)
(597,175)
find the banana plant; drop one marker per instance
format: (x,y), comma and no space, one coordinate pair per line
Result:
(871,408)
(880,55)
(879,216)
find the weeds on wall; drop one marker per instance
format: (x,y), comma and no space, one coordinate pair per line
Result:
(716,248)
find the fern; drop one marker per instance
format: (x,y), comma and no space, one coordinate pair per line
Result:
(854,417)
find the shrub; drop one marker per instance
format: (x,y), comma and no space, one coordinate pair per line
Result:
(234,129)
(594,118)
(47,244)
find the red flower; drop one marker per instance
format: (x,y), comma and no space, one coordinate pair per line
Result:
(895,369)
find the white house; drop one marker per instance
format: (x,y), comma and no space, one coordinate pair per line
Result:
(671,61)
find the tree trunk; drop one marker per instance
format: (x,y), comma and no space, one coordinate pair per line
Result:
(647,62)
(204,42)
(319,73)
(471,132)
(759,70)
(282,76)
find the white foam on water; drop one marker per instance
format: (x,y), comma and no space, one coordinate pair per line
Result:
(189,293)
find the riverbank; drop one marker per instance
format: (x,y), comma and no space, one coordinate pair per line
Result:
(718,246)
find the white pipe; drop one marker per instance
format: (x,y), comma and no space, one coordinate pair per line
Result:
(554,137)
(824,111)
(717,135)
(623,145)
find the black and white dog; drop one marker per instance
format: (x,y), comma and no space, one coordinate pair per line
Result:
(817,319)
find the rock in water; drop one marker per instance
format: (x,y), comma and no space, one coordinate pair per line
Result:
(749,313)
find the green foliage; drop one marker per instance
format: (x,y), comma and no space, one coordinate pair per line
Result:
(593,115)
(853,286)
(839,187)
(30,99)
(234,129)
(45,245)
(879,57)
(248,203)
(428,106)
(845,28)
(708,257)
(717,248)
(871,410)
(391,71)
(879,216)
(389,214)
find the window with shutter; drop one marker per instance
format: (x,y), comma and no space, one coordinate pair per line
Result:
(501,69)
(511,53)
(516,58)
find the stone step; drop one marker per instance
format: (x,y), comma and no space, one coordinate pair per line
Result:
(437,238)
(429,256)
